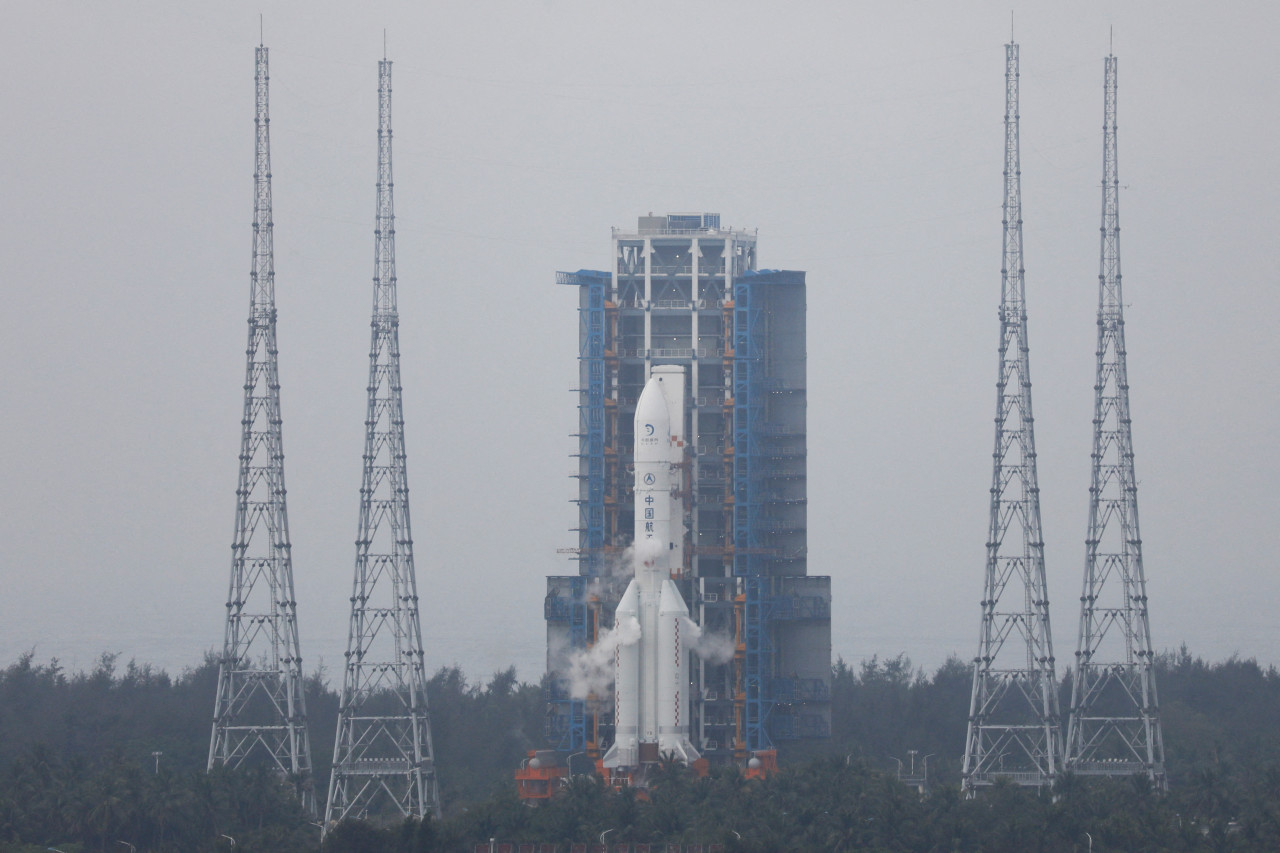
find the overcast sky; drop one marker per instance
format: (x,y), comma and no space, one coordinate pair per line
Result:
(863,140)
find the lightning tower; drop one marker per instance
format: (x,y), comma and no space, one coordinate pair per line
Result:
(1114,725)
(383,763)
(1013,730)
(260,712)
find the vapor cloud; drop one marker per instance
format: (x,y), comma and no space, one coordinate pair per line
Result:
(590,671)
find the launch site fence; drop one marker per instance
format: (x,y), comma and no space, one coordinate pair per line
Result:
(618,847)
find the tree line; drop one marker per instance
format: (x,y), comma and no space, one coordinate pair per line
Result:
(115,757)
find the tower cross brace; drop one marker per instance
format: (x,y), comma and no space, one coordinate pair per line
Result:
(383,761)
(1114,723)
(1013,730)
(260,709)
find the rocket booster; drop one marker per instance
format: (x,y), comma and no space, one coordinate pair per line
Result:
(651,675)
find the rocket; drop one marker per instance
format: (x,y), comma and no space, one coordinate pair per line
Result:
(651,674)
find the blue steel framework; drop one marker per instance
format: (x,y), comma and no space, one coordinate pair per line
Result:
(592,414)
(750,469)
(762,444)
(763,562)
(567,725)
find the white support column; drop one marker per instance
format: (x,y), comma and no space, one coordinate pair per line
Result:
(648,306)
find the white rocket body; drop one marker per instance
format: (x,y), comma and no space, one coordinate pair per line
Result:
(651,675)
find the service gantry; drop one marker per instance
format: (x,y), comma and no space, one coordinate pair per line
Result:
(1014,725)
(383,761)
(684,290)
(1114,724)
(260,710)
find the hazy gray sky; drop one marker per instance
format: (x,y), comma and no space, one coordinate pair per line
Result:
(863,140)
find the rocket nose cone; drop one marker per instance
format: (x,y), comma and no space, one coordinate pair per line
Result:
(652,418)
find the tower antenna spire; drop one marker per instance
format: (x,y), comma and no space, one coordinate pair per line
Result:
(1013,730)
(383,760)
(1114,724)
(260,707)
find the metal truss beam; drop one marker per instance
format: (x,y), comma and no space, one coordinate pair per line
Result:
(1114,724)
(260,713)
(1014,730)
(383,760)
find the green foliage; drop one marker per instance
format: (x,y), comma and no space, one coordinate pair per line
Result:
(835,805)
(355,836)
(112,802)
(137,711)
(480,734)
(77,772)
(1224,716)
(883,710)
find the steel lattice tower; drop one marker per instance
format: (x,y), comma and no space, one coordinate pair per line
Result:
(383,758)
(1114,726)
(260,710)
(1013,714)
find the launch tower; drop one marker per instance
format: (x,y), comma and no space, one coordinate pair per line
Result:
(1014,729)
(383,762)
(683,290)
(1114,725)
(260,712)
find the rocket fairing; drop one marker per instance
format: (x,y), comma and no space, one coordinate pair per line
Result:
(651,674)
